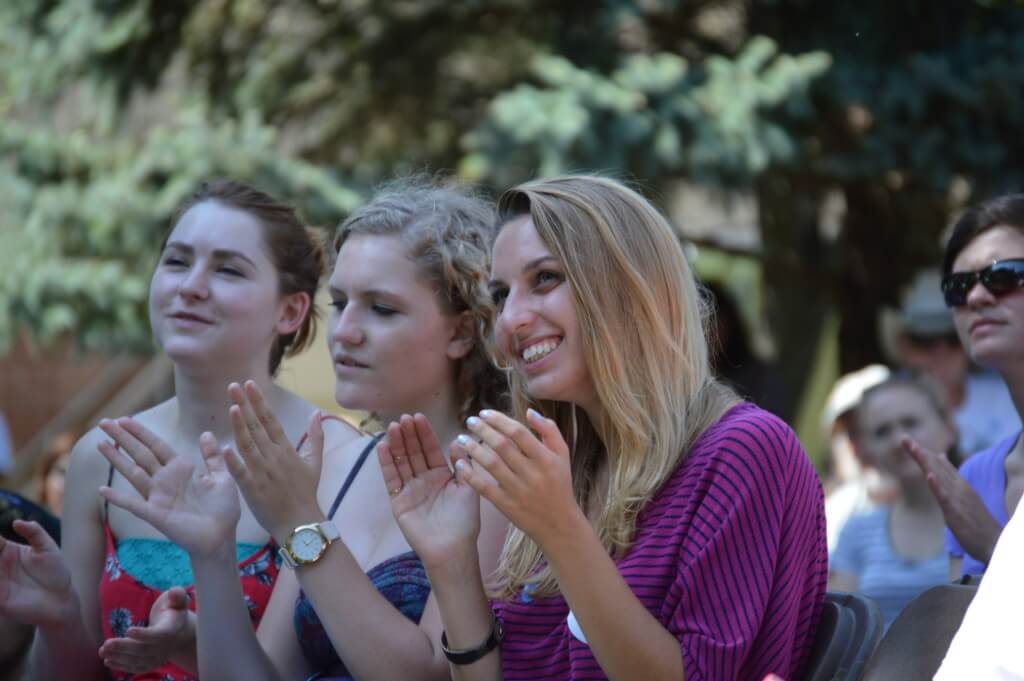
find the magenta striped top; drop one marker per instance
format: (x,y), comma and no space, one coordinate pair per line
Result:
(729,556)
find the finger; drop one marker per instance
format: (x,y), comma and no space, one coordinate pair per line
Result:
(413,446)
(916,452)
(938,489)
(469,473)
(550,435)
(136,475)
(432,451)
(392,478)
(153,444)
(131,503)
(312,450)
(35,535)
(400,448)
(212,455)
(244,442)
(236,466)
(131,446)
(499,443)
(459,453)
(177,598)
(256,430)
(483,456)
(264,415)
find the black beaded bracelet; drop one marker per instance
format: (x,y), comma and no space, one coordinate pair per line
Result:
(471,655)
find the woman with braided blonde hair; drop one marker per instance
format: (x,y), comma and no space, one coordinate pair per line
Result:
(661,529)
(411,311)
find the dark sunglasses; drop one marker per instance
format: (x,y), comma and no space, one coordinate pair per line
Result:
(1000,278)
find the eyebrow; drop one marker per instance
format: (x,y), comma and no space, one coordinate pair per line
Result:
(219,253)
(336,292)
(533,264)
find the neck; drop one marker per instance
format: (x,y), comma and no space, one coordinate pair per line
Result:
(442,413)
(202,400)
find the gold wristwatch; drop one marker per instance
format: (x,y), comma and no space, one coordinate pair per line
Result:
(307,543)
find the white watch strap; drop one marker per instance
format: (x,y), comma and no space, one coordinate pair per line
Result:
(330,530)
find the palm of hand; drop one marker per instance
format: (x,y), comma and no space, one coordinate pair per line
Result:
(34,585)
(433,505)
(195,511)
(171,621)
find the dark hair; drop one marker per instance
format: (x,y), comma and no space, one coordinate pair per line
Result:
(447,230)
(296,250)
(1007,210)
(924,385)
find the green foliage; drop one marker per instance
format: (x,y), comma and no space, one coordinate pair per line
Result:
(654,115)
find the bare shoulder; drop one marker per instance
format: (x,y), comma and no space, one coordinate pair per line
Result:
(86,464)
(340,434)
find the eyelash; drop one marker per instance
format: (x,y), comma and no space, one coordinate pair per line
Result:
(340,305)
(541,279)
(172,261)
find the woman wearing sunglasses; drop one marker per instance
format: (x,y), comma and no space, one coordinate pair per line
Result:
(983,283)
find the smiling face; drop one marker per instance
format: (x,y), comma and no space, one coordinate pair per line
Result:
(393,347)
(992,327)
(213,298)
(537,328)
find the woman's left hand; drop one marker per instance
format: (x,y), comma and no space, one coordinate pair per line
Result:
(171,629)
(528,479)
(278,483)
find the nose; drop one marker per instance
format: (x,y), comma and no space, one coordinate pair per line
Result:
(195,284)
(979,296)
(346,328)
(516,316)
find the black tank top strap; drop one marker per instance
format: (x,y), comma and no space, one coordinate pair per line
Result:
(106,504)
(352,473)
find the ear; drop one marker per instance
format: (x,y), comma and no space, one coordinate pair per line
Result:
(463,336)
(293,309)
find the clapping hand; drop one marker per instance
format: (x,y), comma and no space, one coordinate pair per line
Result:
(35,585)
(436,513)
(278,483)
(171,629)
(965,513)
(199,512)
(526,476)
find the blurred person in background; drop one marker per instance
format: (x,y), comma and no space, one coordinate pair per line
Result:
(733,357)
(983,278)
(230,296)
(922,337)
(893,553)
(852,484)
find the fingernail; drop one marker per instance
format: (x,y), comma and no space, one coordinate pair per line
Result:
(473,422)
(464,440)
(533,414)
(460,465)
(486,413)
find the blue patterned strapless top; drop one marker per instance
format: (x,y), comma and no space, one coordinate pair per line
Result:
(401,579)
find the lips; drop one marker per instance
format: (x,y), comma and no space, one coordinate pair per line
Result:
(983,323)
(190,317)
(349,361)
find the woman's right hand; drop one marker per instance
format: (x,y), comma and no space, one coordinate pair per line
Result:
(965,513)
(199,512)
(439,516)
(35,585)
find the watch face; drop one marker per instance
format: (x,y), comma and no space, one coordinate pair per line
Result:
(307,545)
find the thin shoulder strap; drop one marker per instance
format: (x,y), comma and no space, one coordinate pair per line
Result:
(352,473)
(110,483)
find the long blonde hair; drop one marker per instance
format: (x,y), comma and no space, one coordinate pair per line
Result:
(642,322)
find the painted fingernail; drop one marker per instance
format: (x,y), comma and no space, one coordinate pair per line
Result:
(486,413)
(473,422)
(460,465)
(464,440)
(534,414)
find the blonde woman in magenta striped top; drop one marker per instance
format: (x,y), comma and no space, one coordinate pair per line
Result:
(660,528)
